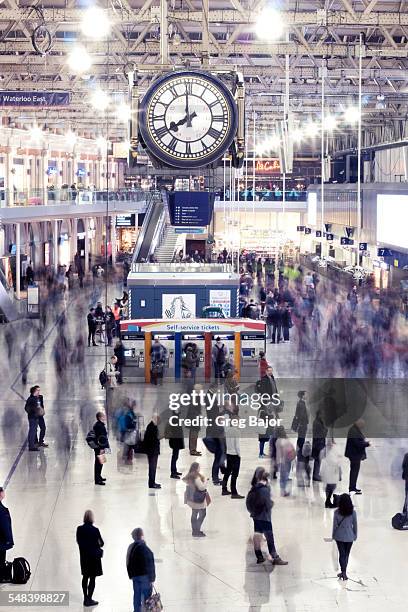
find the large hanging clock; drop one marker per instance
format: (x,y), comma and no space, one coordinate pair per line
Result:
(188,119)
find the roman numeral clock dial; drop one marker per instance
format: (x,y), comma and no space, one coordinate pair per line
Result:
(188,119)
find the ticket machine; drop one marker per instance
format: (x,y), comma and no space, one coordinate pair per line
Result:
(167,340)
(197,339)
(134,368)
(251,343)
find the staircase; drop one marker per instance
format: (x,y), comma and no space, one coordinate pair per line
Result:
(165,251)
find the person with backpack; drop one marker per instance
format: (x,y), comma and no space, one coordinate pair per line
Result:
(6,534)
(90,545)
(197,498)
(101,444)
(285,454)
(190,361)
(330,471)
(259,505)
(141,569)
(219,358)
(344,531)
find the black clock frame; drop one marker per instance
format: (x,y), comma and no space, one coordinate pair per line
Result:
(156,152)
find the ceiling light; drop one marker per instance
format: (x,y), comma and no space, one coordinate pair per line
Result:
(71,138)
(36,133)
(123,112)
(79,59)
(351,114)
(101,143)
(330,123)
(100,100)
(270,24)
(273,142)
(381,97)
(297,135)
(95,23)
(311,129)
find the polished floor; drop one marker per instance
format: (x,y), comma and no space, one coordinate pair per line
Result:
(47,494)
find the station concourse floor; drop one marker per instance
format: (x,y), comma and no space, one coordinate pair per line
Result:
(48,492)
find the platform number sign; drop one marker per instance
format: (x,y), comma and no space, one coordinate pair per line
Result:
(384,252)
(362,246)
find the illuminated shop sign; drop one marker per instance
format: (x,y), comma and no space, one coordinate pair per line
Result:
(267,166)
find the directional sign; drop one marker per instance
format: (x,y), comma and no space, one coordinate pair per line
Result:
(300,228)
(329,236)
(344,241)
(318,234)
(308,230)
(384,252)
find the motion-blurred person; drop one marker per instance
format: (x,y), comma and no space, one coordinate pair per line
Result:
(158,355)
(219,358)
(300,421)
(344,531)
(101,439)
(197,498)
(330,471)
(141,569)
(151,445)
(262,364)
(34,408)
(175,435)
(405,477)
(90,545)
(6,534)
(119,352)
(259,504)
(318,444)
(286,320)
(356,453)
(233,454)
(285,454)
(109,325)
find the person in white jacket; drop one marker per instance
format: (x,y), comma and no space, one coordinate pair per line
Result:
(330,472)
(233,452)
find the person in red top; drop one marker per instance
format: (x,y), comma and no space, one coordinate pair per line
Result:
(117,315)
(263,364)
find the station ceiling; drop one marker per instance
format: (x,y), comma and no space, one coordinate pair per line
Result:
(217,34)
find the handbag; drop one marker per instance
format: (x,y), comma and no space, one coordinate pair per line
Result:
(199,496)
(295,424)
(130,437)
(153,603)
(101,458)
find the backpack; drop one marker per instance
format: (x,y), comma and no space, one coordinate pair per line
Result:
(220,358)
(91,440)
(400,521)
(258,386)
(252,502)
(103,378)
(20,571)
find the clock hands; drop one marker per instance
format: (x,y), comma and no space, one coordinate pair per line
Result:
(187,119)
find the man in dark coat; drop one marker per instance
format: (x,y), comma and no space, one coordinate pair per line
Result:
(34,408)
(268,383)
(102,441)
(6,534)
(141,569)
(151,445)
(318,443)
(175,436)
(91,327)
(356,453)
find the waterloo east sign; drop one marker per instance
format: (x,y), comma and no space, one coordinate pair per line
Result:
(39,99)
(267,166)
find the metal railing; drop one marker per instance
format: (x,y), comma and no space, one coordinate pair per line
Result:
(173,268)
(53,197)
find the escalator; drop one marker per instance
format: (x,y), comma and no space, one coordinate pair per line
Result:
(8,308)
(151,229)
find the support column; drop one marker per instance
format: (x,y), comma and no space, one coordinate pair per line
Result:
(18,260)
(9,178)
(113,238)
(86,225)
(73,238)
(55,236)
(164,33)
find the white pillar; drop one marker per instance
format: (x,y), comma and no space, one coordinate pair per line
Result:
(86,225)
(9,184)
(18,261)
(73,238)
(56,236)
(113,238)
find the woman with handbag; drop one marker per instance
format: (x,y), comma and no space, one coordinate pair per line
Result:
(344,531)
(101,439)
(90,544)
(196,496)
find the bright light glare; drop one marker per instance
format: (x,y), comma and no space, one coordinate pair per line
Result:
(71,138)
(270,24)
(36,133)
(351,114)
(100,100)
(123,112)
(261,148)
(95,23)
(311,129)
(273,142)
(330,123)
(101,143)
(79,59)
(297,135)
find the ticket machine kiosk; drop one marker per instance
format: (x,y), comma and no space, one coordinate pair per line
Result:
(134,368)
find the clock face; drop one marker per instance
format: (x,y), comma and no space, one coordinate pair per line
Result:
(188,119)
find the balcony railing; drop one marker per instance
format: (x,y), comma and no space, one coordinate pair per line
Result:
(53,197)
